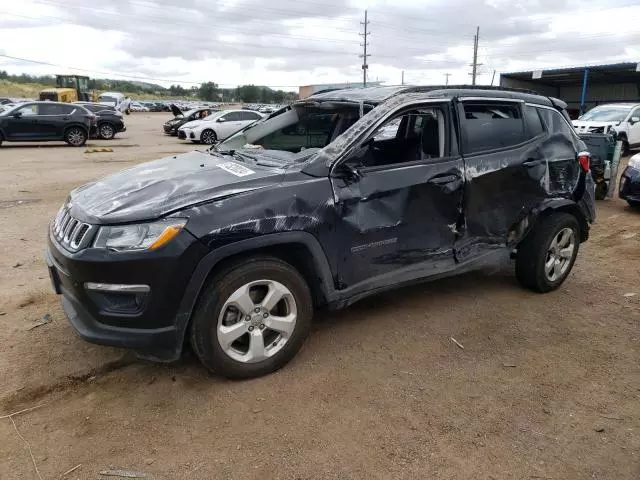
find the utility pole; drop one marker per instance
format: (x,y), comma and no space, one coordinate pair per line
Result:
(475,64)
(365,55)
(446,82)
(402,83)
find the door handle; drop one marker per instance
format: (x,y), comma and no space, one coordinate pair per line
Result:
(444,179)
(531,163)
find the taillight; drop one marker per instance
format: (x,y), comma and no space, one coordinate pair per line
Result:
(584,158)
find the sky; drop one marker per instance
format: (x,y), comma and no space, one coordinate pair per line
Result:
(289,43)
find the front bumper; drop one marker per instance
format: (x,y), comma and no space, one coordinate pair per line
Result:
(148,323)
(182,135)
(170,129)
(630,185)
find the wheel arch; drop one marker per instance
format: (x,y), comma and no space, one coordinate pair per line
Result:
(76,124)
(295,248)
(524,228)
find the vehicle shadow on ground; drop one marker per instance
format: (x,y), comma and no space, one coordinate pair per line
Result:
(372,311)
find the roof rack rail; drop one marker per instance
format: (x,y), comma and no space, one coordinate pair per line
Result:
(428,88)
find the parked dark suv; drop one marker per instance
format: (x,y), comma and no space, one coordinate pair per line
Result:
(109,120)
(320,204)
(46,121)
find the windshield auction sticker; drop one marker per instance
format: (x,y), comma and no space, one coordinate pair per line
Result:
(235,169)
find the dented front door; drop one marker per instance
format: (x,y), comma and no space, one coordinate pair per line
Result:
(398,223)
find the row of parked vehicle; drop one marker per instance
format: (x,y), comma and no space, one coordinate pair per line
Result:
(208,125)
(73,123)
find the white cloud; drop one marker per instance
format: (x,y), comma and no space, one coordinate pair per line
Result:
(298,42)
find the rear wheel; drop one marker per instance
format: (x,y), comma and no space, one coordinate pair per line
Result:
(106,131)
(75,136)
(252,318)
(546,256)
(625,146)
(208,137)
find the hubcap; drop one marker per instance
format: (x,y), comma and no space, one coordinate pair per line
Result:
(256,321)
(75,137)
(560,254)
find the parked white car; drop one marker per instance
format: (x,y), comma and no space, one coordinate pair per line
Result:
(217,126)
(620,119)
(114,99)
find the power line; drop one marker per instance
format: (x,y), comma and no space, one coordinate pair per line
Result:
(364,55)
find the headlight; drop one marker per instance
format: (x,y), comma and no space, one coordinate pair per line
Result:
(143,236)
(635,161)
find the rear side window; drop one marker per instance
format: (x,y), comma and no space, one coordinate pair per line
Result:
(488,126)
(233,117)
(556,123)
(54,109)
(532,121)
(249,116)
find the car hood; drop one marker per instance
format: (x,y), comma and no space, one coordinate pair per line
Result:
(151,190)
(175,110)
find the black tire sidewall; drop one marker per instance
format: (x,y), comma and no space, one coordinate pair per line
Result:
(215,136)
(538,245)
(204,337)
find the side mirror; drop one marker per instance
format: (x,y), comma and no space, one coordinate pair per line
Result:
(634,120)
(221,120)
(17,115)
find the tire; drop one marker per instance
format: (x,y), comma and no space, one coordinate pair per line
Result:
(625,146)
(601,191)
(106,131)
(75,136)
(535,250)
(208,137)
(215,318)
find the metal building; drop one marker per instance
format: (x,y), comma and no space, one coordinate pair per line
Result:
(582,87)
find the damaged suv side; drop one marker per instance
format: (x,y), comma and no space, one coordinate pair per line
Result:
(334,198)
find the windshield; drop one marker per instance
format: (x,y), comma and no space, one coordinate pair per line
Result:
(107,99)
(296,133)
(606,114)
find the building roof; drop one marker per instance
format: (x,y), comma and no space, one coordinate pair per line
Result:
(614,73)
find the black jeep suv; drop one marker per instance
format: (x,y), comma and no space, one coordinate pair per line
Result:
(333,198)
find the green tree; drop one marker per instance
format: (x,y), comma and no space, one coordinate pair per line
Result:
(208,91)
(249,93)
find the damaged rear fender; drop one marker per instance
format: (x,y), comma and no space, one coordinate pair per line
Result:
(525,226)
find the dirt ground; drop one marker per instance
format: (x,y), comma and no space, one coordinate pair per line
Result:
(546,387)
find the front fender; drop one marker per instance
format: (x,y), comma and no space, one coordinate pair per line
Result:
(212,259)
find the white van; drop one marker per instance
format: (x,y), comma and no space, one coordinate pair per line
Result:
(115,99)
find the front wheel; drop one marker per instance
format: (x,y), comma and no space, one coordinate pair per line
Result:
(252,318)
(75,136)
(106,131)
(546,256)
(208,137)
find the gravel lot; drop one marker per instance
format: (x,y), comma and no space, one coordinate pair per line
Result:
(546,386)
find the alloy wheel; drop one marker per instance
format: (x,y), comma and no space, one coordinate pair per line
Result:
(208,137)
(256,321)
(559,254)
(106,131)
(75,137)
